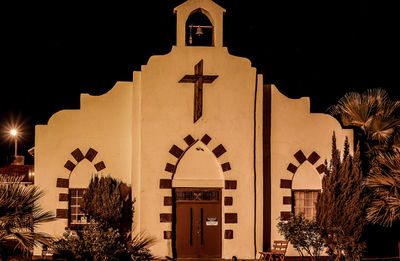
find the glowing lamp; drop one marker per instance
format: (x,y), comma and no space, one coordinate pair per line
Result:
(14,132)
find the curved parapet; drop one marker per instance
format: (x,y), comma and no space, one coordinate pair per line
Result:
(177,54)
(297,112)
(87,101)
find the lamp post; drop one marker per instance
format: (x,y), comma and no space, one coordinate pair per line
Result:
(14,133)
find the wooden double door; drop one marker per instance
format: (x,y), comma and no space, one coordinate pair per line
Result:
(198,232)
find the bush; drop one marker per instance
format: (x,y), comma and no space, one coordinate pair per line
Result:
(103,201)
(108,237)
(94,243)
(341,205)
(303,234)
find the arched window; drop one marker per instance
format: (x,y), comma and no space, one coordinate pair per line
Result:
(79,181)
(199,30)
(306,186)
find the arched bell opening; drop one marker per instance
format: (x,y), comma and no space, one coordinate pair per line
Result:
(199,29)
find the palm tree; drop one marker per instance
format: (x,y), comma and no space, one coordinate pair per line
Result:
(20,214)
(384,182)
(373,116)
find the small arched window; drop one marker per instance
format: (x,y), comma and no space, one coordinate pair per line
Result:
(306,186)
(199,30)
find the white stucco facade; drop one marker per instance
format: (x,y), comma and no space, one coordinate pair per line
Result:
(143,133)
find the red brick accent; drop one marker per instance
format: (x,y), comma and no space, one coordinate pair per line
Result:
(228,201)
(90,154)
(292,168)
(286,183)
(228,234)
(321,168)
(100,166)
(206,139)
(231,218)
(167,234)
(300,157)
(77,154)
(165,218)
(219,150)
(176,151)
(287,200)
(226,166)
(167,201)
(285,215)
(230,184)
(69,165)
(165,183)
(62,183)
(62,213)
(63,197)
(314,157)
(189,140)
(170,168)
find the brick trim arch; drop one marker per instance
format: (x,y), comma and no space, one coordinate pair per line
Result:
(178,153)
(64,182)
(292,168)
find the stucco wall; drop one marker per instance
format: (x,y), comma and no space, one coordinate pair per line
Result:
(294,128)
(228,117)
(103,123)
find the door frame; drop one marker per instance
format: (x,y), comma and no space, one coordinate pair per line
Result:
(213,196)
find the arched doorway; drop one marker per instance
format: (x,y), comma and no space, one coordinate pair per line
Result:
(197,192)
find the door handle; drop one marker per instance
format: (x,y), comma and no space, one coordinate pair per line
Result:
(201,226)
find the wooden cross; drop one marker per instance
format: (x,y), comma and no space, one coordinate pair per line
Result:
(198,79)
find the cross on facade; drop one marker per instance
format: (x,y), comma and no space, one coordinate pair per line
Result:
(198,79)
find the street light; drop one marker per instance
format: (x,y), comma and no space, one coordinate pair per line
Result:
(14,133)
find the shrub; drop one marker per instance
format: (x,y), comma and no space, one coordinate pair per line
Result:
(303,234)
(103,201)
(94,243)
(341,205)
(108,237)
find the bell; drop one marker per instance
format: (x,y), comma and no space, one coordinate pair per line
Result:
(199,31)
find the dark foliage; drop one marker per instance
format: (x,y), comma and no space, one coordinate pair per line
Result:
(303,234)
(341,205)
(103,201)
(20,215)
(108,237)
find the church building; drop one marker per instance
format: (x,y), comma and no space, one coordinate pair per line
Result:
(212,154)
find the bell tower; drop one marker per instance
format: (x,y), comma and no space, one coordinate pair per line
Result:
(199,23)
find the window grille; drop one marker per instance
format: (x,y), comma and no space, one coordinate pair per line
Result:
(197,195)
(305,202)
(75,201)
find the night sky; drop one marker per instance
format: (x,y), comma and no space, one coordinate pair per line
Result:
(52,52)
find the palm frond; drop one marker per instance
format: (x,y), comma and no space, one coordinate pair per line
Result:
(396,141)
(382,129)
(384,182)
(354,110)
(20,213)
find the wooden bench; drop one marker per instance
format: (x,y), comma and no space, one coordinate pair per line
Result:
(277,252)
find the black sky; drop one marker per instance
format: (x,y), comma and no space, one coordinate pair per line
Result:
(52,52)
